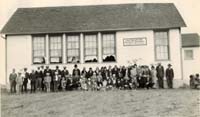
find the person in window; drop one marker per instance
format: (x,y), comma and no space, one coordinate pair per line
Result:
(160,75)
(25,81)
(169,76)
(12,79)
(74,59)
(33,81)
(76,76)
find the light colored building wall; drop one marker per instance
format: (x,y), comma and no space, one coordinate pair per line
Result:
(191,66)
(19,52)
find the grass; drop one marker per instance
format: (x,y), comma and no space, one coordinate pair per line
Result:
(134,103)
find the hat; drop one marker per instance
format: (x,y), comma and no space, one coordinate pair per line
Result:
(169,65)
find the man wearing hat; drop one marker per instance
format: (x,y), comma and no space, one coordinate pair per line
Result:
(25,81)
(160,75)
(169,76)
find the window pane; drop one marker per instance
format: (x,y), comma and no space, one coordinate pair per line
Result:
(188,54)
(38,49)
(73,49)
(55,49)
(108,47)
(90,47)
(161,45)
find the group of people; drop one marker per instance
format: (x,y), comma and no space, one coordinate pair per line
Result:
(195,81)
(104,78)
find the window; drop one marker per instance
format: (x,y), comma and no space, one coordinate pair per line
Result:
(161,45)
(38,49)
(91,48)
(73,49)
(108,47)
(55,49)
(188,54)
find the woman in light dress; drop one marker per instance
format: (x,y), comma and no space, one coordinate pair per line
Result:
(154,78)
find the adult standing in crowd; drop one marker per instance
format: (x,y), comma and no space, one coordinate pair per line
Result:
(160,75)
(76,76)
(42,75)
(33,81)
(169,76)
(48,72)
(12,79)
(25,81)
(65,72)
(19,81)
(38,74)
(153,76)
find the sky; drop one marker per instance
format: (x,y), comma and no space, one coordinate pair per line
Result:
(189,9)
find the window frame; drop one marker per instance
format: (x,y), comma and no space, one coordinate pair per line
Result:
(115,47)
(186,58)
(50,48)
(84,47)
(79,43)
(32,38)
(168,45)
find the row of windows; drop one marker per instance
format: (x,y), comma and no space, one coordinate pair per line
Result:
(90,48)
(73,48)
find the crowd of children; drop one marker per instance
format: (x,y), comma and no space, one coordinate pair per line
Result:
(104,78)
(195,81)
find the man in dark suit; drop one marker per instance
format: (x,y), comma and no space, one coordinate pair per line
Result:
(33,81)
(76,76)
(160,75)
(89,73)
(169,76)
(25,81)
(38,74)
(12,79)
(64,72)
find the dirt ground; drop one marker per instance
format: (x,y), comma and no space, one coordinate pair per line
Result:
(134,103)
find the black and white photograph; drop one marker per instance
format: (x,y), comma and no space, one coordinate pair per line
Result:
(99,58)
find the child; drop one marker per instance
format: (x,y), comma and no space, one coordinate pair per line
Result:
(99,82)
(63,83)
(109,84)
(83,83)
(104,85)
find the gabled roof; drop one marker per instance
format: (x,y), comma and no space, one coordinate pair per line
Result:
(94,18)
(190,40)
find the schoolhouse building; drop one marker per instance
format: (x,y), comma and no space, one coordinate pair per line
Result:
(95,35)
(191,54)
